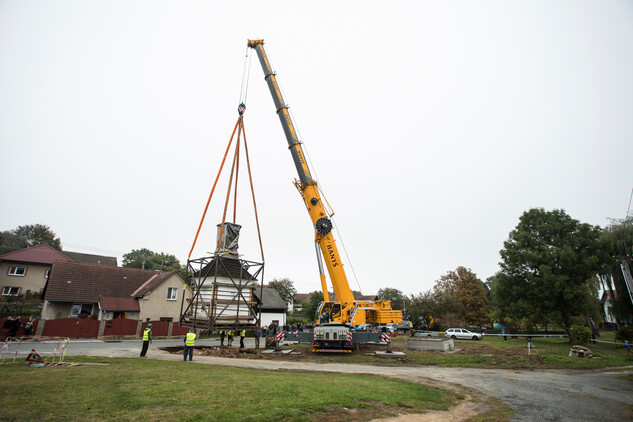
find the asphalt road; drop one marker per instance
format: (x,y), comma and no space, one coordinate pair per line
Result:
(552,395)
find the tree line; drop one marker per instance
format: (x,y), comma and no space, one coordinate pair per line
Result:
(551,269)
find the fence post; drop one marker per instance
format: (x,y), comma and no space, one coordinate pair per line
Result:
(40,327)
(102,324)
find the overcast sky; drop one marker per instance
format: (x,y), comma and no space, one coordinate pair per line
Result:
(432,126)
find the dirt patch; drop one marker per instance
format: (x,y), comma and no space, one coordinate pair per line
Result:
(492,357)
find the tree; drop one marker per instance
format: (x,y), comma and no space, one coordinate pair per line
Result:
(394,295)
(425,309)
(10,242)
(464,295)
(27,236)
(472,295)
(618,237)
(285,288)
(150,260)
(545,265)
(311,305)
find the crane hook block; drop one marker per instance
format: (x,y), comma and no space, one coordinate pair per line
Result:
(323,226)
(241,109)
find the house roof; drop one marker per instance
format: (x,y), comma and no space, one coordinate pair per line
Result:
(302,297)
(38,254)
(226,267)
(92,259)
(332,297)
(121,304)
(271,300)
(79,282)
(154,281)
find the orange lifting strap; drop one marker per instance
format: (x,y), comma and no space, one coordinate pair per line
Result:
(241,134)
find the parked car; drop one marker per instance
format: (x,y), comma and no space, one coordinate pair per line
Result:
(386,328)
(462,333)
(427,334)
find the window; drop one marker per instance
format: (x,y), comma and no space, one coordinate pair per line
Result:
(172,293)
(10,291)
(84,310)
(18,271)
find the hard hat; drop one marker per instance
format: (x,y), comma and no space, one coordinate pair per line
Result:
(191,330)
(149,325)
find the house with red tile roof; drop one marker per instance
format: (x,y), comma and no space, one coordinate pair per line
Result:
(83,290)
(26,270)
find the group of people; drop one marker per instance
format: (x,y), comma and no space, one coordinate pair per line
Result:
(12,324)
(190,340)
(257,333)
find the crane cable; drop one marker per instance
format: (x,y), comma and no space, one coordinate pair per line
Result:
(246,71)
(238,125)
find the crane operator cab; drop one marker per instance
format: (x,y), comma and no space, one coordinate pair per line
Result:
(329,312)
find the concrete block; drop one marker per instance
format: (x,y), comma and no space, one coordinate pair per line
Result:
(431,344)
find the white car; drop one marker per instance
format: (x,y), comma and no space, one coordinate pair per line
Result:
(462,333)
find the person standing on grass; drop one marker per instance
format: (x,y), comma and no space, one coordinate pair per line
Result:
(190,341)
(147,339)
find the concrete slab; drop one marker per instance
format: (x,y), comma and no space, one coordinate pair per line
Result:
(391,355)
(431,344)
(277,352)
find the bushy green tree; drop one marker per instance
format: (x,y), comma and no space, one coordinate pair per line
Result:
(464,295)
(285,288)
(26,236)
(310,306)
(394,295)
(545,266)
(149,260)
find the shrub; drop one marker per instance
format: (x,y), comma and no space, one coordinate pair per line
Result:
(579,334)
(625,333)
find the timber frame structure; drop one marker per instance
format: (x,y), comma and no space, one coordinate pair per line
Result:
(222,293)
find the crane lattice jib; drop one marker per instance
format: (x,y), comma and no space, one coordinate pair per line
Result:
(308,185)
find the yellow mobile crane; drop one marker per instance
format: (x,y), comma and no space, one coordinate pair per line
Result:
(335,319)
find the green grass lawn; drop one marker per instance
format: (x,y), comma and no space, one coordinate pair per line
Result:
(153,390)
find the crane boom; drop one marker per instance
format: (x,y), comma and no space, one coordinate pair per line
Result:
(307,185)
(345,311)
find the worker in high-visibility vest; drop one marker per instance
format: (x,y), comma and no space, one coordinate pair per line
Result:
(190,341)
(229,338)
(147,339)
(242,335)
